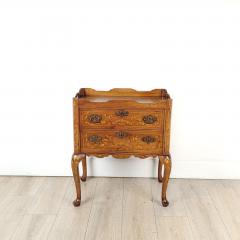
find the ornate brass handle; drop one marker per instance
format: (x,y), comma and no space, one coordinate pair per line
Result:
(95,138)
(149,119)
(121,134)
(122,113)
(148,139)
(95,118)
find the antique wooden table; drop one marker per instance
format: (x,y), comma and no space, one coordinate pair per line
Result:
(121,123)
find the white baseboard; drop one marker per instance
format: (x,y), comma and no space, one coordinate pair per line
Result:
(133,167)
(206,170)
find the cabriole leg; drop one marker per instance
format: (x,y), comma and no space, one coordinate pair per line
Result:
(76,158)
(160,163)
(84,167)
(167,169)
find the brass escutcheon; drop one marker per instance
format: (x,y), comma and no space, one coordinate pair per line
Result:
(95,138)
(121,134)
(95,118)
(122,113)
(148,139)
(149,119)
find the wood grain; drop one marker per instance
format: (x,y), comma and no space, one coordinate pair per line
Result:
(176,228)
(9,224)
(117,208)
(10,204)
(20,185)
(138,213)
(120,92)
(111,143)
(86,104)
(76,219)
(76,126)
(226,201)
(109,119)
(106,214)
(49,197)
(203,216)
(34,227)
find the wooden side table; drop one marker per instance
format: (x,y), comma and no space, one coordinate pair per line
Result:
(121,123)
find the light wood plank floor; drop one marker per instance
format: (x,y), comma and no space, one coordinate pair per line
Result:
(118,209)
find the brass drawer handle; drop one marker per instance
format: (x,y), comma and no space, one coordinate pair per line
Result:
(121,134)
(148,139)
(95,139)
(122,113)
(95,118)
(149,119)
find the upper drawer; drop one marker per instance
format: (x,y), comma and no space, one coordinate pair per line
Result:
(121,117)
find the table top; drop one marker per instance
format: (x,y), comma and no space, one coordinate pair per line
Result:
(124,98)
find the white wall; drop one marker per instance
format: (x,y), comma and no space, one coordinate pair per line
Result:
(49,49)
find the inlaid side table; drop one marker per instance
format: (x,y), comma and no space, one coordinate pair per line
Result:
(122,123)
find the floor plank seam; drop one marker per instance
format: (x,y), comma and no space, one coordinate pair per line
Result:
(85,234)
(188,217)
(50,230)
(154,210)
(217,210)
(122,209)
(57,212)
(232,187)
(14,232)
(66,189)
(190,227)
(40,185)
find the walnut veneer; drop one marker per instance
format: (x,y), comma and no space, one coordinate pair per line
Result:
(121,123)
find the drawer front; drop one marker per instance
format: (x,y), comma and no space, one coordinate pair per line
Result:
(121,117)
(121,141)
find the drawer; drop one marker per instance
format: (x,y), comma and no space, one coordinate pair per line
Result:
(121,117)
(121,141)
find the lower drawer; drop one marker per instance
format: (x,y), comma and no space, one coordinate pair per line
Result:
(121,141)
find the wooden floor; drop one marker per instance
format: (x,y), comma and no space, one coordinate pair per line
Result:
(118,208)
